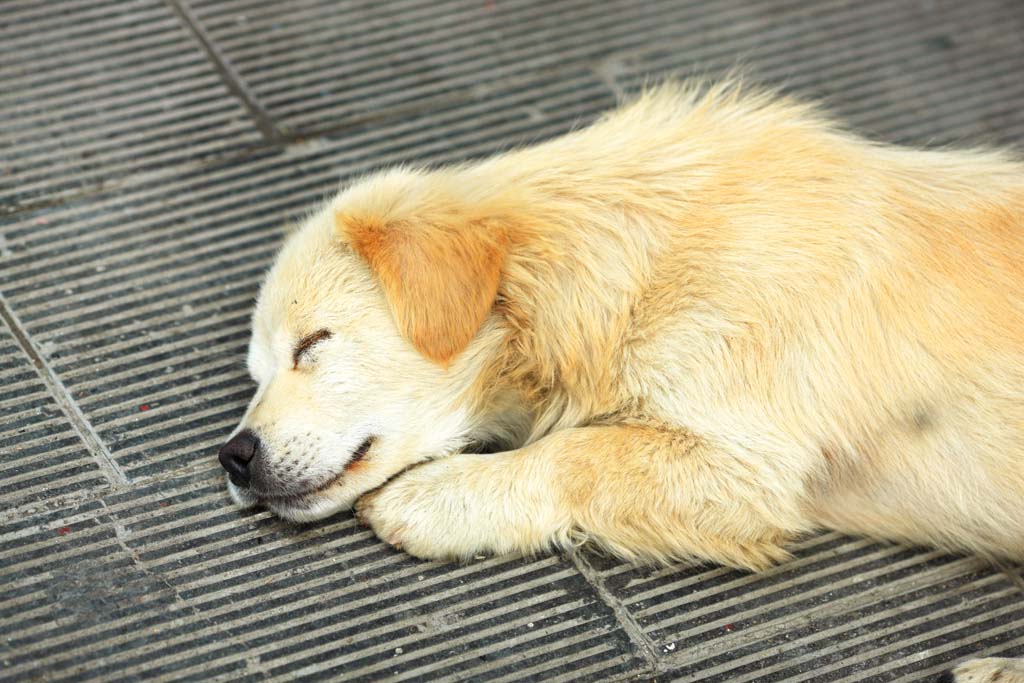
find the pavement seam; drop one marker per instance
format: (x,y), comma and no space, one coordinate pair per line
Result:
(276,140)
(119,535)
(635,677)
(78,420)
(645,646)
(232,80)
(28,509)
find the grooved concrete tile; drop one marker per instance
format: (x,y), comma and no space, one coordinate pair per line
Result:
(41,455)
(173,583)
(142,297)
(921,71)
(96,90)
(842,610)
(74,598)
(914,72)
(324,65)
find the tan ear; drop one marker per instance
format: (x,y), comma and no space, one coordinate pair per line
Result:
(440,280)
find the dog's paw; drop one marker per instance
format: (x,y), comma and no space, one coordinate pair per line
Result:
(426,513)
(988,670)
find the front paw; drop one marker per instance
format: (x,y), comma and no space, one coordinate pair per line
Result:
(426,514)
(987,670)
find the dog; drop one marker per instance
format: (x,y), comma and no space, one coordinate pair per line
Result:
(710,322)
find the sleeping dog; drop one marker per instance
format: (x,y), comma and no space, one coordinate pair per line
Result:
(707,324)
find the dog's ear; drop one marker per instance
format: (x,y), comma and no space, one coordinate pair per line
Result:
(440,280)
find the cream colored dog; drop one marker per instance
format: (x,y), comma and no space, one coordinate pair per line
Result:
(699,328)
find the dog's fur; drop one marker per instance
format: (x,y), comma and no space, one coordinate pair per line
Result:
(705,325)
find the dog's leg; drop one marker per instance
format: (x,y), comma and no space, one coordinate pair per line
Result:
(988,670)
(642,492)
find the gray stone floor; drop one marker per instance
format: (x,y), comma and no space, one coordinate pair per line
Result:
(151,154)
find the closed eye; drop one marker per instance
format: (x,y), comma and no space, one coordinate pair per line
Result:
(307,343)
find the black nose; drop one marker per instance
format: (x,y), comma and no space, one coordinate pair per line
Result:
(236,454)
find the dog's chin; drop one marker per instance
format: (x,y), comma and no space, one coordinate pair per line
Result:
(243,498)
(305,508)
(299,508)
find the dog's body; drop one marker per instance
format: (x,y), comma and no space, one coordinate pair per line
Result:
(696,329)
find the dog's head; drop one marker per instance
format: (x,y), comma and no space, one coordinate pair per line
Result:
(373,341)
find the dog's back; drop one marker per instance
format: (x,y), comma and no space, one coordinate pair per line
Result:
(854,308)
